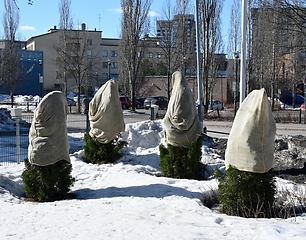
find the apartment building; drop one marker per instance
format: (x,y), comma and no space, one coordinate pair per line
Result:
(100,63)
(179,34)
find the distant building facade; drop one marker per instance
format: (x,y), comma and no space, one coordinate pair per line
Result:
(107,53)
(101,60)
(30,70)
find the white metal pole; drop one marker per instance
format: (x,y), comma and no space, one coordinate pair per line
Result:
(304,101)
(199,79)
(243,51)
(17,140)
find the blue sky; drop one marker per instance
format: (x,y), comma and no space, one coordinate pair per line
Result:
(103,15)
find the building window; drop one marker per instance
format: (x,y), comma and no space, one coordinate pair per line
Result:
(104,53)
(105,64)
(89,42)
(150,55)
(104,76)
(140,54)
(89,54)
(158,55)
(73,47)
(114,53)
(114,65)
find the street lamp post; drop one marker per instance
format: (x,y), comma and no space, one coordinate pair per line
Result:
(304,81)
(236,84)
(40,79)
(185,66)
(109,65)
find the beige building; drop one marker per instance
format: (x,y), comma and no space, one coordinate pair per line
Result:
(101,58)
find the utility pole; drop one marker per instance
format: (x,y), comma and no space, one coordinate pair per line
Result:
(199,101)
(243,51)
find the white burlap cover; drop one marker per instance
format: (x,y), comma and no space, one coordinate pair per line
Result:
(250,145)
(105,113)
(181,120)
(48,140)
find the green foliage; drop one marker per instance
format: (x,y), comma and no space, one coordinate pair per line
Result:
(146,68)
(98,153)
(161,69)
(180,162)
(47,183)
(246,194)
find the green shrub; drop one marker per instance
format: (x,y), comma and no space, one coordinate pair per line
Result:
(47,183)
(98,153)
(180,162)
(246,194)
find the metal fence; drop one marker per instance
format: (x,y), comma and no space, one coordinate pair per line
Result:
(78,123)
(10,153)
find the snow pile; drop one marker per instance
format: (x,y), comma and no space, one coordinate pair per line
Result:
(130,200)
(7,123)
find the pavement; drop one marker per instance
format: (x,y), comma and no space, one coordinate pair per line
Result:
(221,129)
(215,128)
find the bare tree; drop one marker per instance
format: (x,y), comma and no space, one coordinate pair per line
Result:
(167,41)
(291,26)
(134,25)
(66,21)
(10,55)
(77,55)
(264,53)
(66,25)
(209,13)
(233,47)
(278,42)
(184,42)
(234,30)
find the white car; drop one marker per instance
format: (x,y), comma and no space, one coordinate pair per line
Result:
(81,97)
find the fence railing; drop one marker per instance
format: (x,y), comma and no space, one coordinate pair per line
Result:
(76,123)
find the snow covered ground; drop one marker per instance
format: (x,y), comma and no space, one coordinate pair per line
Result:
(129,200)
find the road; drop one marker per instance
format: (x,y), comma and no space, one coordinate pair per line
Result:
(219,129)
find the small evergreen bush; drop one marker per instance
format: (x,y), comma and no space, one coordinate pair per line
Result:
(98,153)
(180,162)
(246,194)
(47,183)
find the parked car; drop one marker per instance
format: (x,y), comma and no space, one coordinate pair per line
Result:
(141,101)
(70,101)
(161,101)
(137,104)
(287,99)
(82,96)
(127,103)
(216,105)
(69,97)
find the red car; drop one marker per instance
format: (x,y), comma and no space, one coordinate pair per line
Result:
(126,102)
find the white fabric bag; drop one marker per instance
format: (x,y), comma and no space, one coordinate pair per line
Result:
(48,140)
(181,120)
(250,145)
(105,113)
